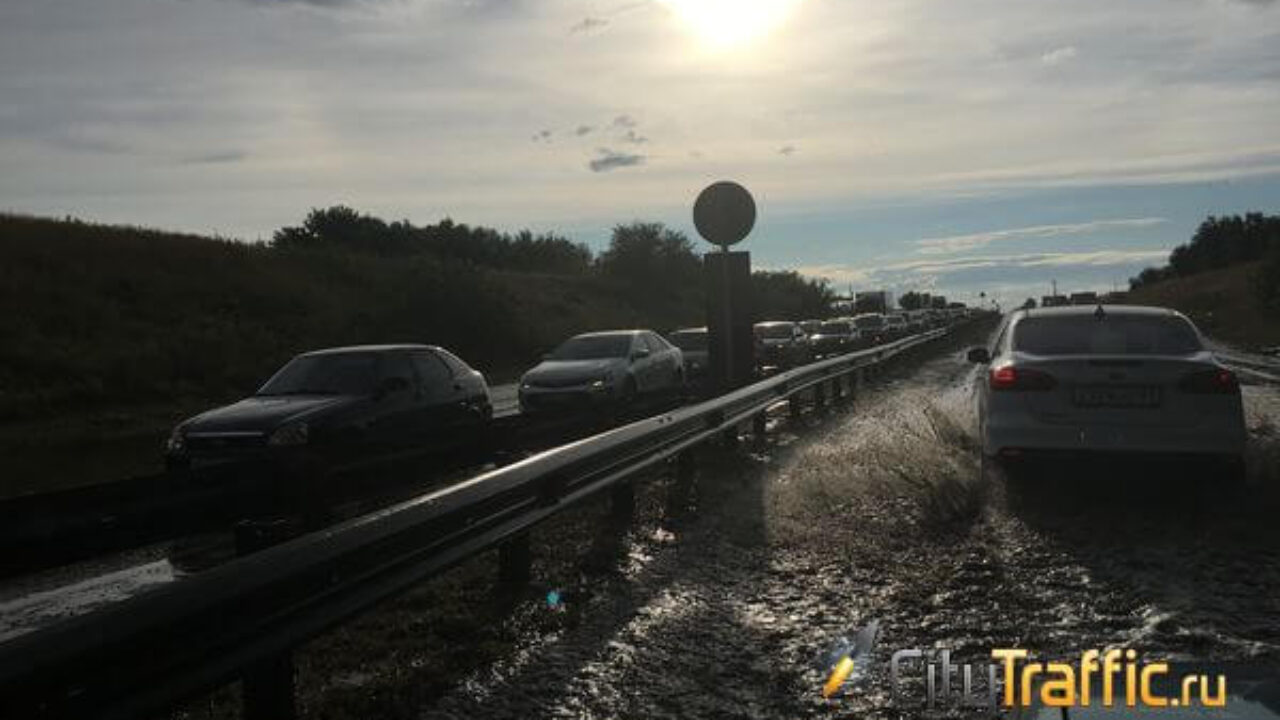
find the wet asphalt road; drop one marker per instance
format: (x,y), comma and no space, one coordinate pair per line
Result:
(881,511)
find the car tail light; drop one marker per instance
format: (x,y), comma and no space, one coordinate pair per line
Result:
(1219,381)
(1008,377)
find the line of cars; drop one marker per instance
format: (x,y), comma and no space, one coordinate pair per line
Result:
(782,345)
(341,406)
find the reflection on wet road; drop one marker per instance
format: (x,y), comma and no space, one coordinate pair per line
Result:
(883,512)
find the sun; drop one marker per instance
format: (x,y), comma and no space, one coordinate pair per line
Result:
(723,24)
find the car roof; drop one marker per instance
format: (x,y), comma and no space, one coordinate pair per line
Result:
(689,330)
(770,323)
(1091,308)
(370,349)
(609,333)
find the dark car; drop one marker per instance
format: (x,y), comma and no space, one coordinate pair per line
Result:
(872,328)
(328,409)
(693,345)
(781,344)
(833,338)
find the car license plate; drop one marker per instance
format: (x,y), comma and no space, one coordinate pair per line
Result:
(1127,396)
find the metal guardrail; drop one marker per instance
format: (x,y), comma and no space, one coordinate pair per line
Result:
(148,653)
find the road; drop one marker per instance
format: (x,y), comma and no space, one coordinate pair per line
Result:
(881,512)
(505,400)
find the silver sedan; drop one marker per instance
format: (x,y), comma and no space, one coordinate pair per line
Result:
(603,368)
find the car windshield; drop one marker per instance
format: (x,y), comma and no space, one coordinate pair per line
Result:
(593,347)
(774,332)
(869,321)
(1111,335)
(835,328)
(689,340)
(354,373)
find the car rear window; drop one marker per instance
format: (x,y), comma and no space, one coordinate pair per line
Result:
(774,332)
(689,340)
(1110,335)
(836,328)
(869,321)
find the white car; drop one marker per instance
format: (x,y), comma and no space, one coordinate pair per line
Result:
(1106,379)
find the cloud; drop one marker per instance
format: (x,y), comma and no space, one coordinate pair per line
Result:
(582,130)
(624,121)
(963,243)
(899,271)
(312,3)
(588,24)
(215,158)
(787,150)
(633,137)
(1058,56)
(610,160)
(542,136)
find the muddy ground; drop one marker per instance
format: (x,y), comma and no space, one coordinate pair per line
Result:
(875,509)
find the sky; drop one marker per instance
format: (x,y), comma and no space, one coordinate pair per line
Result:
(984,146)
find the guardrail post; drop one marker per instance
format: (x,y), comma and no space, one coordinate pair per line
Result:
(622,502)
(681,488)
(730,436)
(267,687)
(837,388)
(515,560)
(820,395)
(793,404)
(759,425)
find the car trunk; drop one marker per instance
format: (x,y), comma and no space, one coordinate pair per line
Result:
(1135,391)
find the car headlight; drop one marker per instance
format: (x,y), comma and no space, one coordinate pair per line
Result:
(291,434)
(177,442)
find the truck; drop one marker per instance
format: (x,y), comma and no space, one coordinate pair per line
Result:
(873,301)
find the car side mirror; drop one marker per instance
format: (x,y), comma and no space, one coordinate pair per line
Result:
(640,354)
(979,355)
(392,386)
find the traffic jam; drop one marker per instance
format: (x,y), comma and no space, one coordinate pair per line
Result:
(330,407)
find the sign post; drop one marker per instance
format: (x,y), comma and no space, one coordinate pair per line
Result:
(724,214)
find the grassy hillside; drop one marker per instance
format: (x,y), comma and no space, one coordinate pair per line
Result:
(1224,303)
(110,334)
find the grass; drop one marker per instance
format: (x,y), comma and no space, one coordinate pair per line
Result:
(1223,303)
(112,334)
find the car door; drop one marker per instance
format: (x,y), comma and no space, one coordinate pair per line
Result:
(442,405)
(641,363)
(799,345)
(661,367)
(394,415)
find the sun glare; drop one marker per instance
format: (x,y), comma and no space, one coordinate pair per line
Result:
(722,24)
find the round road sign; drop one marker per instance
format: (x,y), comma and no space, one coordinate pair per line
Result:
(724,213)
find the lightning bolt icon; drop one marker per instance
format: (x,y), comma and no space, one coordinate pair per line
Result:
(845,656)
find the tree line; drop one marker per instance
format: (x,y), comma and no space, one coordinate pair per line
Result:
(1223,241)
(113,316)
(656,265)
